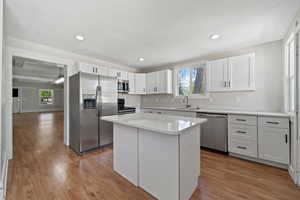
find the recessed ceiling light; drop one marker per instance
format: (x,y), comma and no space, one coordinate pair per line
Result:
(79,37)
(141,59)
(214,36)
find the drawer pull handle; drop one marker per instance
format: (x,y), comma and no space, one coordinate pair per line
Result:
(286,138)
(243,132)
(272,122)
(240,120)
(241,147)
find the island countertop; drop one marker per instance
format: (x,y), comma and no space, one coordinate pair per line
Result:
(174,125)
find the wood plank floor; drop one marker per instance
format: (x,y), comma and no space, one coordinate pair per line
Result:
(44,168)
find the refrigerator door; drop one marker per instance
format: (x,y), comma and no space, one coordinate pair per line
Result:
(109,106)
(89,137)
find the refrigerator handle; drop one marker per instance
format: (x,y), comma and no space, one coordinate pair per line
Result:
(98,100)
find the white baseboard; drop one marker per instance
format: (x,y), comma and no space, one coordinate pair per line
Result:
(266,162)
(42,110)
(3,184)
(293,174)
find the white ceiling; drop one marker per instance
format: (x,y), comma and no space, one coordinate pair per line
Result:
(161,31)
(30,70)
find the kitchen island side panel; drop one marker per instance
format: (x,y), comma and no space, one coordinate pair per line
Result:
(159,164)
(125,153)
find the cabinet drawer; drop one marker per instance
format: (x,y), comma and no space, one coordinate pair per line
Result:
(243,132)
(243,119)
(247,148)
(275,122)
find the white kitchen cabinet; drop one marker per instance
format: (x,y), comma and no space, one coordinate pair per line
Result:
(241,72)
(242,135)
(273,139)
(131,80)
(231,74)
(92,69)
(121,75)
(151,83)
(140,83)
(217,75)
(87,68)
(159,82)
(103,71)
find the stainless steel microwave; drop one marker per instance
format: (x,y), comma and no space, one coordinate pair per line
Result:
(123,86)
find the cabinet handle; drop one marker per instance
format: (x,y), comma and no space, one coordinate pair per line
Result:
(272,122)
(93,70)
(228,83)
(225,84)
(241,147)
(240,120)
(243,132)
(159,112)
(286,138)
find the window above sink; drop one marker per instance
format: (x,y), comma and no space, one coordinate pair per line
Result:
(190,81)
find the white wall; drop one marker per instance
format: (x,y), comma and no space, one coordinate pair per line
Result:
(268,77)
(30,97)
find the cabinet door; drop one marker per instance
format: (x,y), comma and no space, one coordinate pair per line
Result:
(87,68)
(140,83)
(273,144)
(164,82)
(151,82)
(131,80)
(217,75)
(241,72)
(161,82)
(112,73)
(103,71)
(123,75)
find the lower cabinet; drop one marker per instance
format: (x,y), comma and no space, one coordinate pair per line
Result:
(273,140)
(259,137)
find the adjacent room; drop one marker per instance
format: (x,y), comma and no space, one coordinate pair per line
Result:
(145,100)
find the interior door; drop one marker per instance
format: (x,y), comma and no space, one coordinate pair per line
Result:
(17,100)
(217,75)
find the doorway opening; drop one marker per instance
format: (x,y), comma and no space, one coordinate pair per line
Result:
(38,106)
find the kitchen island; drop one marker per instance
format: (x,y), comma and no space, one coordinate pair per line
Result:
(159,153)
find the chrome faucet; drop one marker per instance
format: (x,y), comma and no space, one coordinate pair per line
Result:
(186,101)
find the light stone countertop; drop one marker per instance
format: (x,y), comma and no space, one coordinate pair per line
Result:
(237,112)
(173,125)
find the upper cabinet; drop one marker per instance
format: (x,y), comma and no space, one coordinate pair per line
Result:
(140,83)
(131,77)
(217,75)
(92,69)
(122,75)
(231,74)
(159,82)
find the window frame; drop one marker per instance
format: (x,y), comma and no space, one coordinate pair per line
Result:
(39,96)
(205,95)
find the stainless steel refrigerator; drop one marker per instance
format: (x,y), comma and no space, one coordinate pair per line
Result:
(91,97)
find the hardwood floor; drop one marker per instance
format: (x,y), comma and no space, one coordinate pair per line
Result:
(44,168)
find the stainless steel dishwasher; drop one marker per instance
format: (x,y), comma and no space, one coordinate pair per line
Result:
(214,133)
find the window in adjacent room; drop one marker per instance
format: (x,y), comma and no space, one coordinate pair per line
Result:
(191,82)
(46,97)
